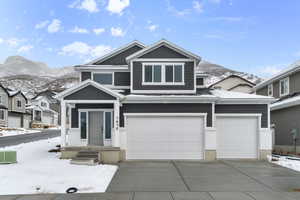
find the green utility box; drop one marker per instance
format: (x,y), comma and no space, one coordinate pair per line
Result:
(7,157)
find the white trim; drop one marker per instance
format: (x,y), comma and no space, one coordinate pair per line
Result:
(112,78)
(287,79)
(100,67)
(117,51)
(163,91)
(269,116)
(162,60)
(213,121)
(95,109)
(163,73)
(166,114)
(166,43)
(91,101)
(270,89)
(244,101)
(238,115)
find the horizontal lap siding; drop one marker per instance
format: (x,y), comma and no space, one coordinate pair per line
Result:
(245,109)
(167,108)
(122,78)
(188,78)
(285,120)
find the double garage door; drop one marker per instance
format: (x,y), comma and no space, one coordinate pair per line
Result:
(164,136)
(182,137)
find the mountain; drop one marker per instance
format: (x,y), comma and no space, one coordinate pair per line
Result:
(33,77)
(218,72)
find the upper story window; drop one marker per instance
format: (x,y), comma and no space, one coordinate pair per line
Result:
(284,86)
(103,78)
(43,104)
(19,103)
(163,73)
(270,90)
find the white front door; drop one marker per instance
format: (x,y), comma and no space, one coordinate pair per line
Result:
(237,137)
(164,137)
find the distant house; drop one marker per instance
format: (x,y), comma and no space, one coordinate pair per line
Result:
(17,115)
(3,106)
(234,83)
(44,108)
(285,112)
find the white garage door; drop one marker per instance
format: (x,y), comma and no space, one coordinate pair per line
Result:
(14,122)
(164,137)
(237,137)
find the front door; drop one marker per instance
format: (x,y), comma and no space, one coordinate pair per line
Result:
(95,128)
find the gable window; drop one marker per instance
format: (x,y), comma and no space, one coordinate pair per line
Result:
(270,90)
(19,103)
(2,117)
(43,104)
(103,78)
(284,86)
(163,73)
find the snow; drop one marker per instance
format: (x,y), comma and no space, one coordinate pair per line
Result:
(237,95)
(285,162)
(37,168)
(20,131)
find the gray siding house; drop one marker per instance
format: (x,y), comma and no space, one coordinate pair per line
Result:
(285,111)
(151,103)
(3,106)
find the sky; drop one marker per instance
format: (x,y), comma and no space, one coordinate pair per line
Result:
(255,36)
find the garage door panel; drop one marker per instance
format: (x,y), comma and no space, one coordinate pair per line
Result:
(158,137)
(14,122)
(237,137)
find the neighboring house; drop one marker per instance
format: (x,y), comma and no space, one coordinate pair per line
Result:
(3,106)
(152,104)
(285,112)
(234,83)
(17,115)
(45,108)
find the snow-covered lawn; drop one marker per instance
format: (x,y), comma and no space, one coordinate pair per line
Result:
(36,168)
(19,131)
(288,163)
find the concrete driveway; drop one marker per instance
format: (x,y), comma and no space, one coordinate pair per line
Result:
(206,180)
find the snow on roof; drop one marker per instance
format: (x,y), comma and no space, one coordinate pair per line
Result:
(293,101)
(290,69)
(237,95)
(12,92)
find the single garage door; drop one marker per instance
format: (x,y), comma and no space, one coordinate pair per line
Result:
(237,137)
(14,122)
(164,137)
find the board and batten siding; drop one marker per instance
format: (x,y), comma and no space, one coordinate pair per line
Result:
(163,52)
(138,79)
(89,93)
(167,108)
(245,109)
(285,120)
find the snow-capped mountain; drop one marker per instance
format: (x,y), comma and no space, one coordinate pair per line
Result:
(32,77)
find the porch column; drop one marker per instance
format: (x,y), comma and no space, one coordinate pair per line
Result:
(63,123)
(116,137)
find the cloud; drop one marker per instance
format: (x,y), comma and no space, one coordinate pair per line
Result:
(76,29)
(84,50)
(152,27)
(227,19)
(1,40)
(173,10)
(270,70)
(54,26)
(117,32)
(198,6)
(14,42)
(88,5)
(98,31)
(117,6)
(42,24)
(25,48)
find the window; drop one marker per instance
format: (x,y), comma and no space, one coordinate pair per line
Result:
(200,81)
(43,104)
(19,103)
(108,125)
(83,125)
(163,73)
(2,116)
(37,115)
(103,78)
(284,86)
(270,90)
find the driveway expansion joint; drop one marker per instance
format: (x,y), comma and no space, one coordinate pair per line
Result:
(181,176)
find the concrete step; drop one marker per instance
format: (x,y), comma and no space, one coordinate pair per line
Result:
(84,161)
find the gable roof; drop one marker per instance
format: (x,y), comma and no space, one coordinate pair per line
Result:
(12,93)
(4,89)
(85,84)
(232,76)
(289,70)
(47,93)
(166,43)
(117,51)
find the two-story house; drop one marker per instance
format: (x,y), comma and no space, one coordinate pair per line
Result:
(150,102)
(3,106)
(17,115)
(285,112)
